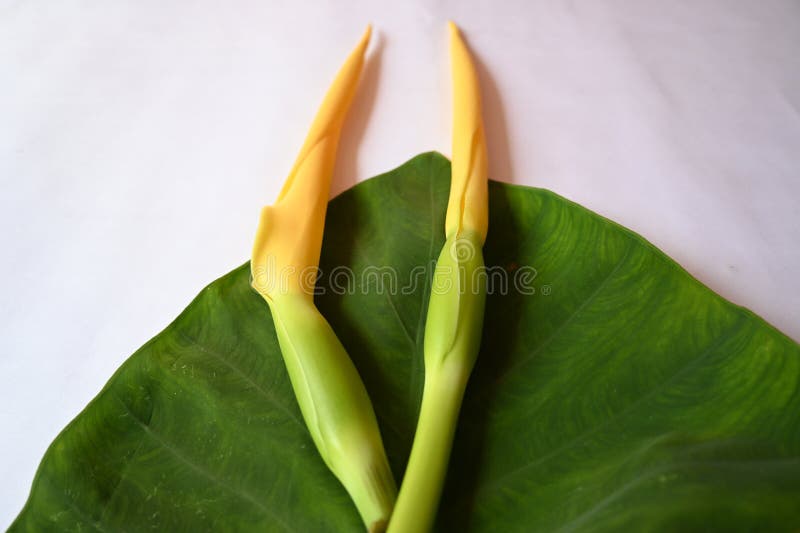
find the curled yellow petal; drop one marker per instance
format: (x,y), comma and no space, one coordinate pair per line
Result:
(467,208)
(289,237)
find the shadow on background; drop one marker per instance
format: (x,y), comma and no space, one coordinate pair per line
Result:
(345,173)
(494,122)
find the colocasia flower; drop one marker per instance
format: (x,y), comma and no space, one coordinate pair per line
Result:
(331,395)
(455,310)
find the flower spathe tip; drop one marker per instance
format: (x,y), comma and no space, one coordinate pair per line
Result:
(365,38)
(289,235)
(451,26)
(467,208)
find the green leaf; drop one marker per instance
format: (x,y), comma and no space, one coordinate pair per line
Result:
(621,395)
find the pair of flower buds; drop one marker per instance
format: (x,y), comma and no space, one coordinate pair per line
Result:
(329,391)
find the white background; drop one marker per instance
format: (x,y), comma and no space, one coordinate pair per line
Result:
(138,140)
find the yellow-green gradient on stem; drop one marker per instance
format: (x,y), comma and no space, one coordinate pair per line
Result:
(328,388)
(455,311)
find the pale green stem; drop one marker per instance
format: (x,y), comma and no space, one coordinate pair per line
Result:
(415,510)
(452,339)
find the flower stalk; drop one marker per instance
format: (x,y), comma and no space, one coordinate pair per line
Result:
(329,391)
(455,310)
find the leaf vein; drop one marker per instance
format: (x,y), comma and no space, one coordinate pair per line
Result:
(181,456)
(636,403)
(266,394)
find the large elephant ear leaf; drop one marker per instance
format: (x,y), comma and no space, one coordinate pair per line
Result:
(613,391)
